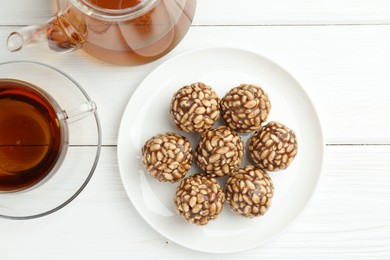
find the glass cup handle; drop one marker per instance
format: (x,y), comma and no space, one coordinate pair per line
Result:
(84,110)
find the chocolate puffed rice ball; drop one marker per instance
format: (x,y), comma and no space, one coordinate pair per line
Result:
(167,157)
(273,147)
(195,108)
(220,151)
(249,191)
(199,199)
(245,108)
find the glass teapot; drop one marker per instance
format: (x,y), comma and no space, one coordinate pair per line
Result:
(125,32)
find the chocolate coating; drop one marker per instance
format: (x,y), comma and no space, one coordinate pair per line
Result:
(199,199)
(245,108)
(195,108)
(249,191)
(273,147)
(167,157)
(220,151)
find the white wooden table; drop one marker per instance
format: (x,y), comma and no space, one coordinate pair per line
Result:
(338,49)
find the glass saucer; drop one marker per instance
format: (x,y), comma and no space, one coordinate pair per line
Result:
(83,151)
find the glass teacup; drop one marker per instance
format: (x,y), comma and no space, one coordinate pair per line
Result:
(43,116)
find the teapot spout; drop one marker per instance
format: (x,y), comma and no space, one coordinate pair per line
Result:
(58,34)
(27,36)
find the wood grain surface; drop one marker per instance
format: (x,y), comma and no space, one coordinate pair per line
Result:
(339,50)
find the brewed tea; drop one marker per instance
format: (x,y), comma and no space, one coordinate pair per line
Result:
(115,4)
(30,135)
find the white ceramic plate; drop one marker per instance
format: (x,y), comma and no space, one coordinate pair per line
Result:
(147,114)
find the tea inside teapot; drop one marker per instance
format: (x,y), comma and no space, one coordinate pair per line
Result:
(125,32)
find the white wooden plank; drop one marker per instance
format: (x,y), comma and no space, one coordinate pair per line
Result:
(255,12)
(343,68)
(348,218)
(247,12)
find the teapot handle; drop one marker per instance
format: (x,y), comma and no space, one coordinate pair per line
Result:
(58,32)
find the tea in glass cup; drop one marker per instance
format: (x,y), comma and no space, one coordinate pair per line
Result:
(32,136)
(50,139)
